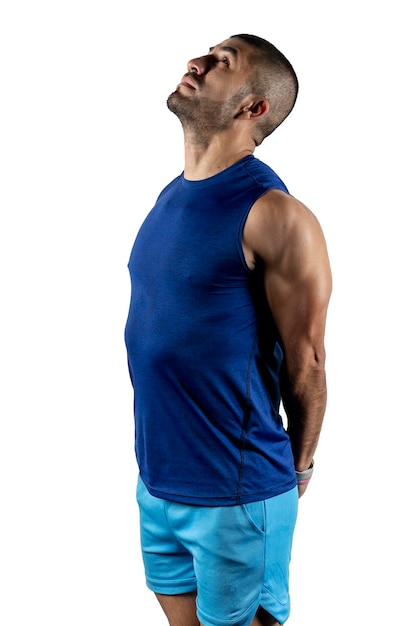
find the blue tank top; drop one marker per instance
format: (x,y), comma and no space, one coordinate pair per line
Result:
(202,349)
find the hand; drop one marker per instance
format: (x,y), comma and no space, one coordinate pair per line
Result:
(302,489)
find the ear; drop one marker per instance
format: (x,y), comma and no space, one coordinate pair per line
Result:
(256,108)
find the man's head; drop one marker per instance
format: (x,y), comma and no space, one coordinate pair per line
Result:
(244,77)
(275,78)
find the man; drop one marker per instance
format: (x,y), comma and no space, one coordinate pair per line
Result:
(230,289)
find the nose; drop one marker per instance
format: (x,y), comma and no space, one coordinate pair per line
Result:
(200,65)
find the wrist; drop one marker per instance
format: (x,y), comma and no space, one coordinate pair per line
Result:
(305,476)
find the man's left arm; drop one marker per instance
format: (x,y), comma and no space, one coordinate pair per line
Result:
(287,237)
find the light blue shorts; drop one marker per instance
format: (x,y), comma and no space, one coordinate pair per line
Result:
(236,557)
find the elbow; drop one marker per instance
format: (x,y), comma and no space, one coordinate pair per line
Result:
(305,368)
(319,357)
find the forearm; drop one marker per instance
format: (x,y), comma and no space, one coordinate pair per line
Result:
(304,399)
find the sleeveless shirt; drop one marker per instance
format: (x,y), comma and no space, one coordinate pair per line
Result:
(203,352)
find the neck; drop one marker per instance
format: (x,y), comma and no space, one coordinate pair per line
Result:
(205,159)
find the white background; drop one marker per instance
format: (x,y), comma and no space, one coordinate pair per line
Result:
(86,145)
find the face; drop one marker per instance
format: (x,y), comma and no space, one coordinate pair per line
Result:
(212,91)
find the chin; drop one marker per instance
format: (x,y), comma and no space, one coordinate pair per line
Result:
(172,101)
(179,105)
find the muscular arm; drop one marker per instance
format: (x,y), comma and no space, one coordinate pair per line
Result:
(287,238)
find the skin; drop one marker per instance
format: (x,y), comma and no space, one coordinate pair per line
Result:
(219,116)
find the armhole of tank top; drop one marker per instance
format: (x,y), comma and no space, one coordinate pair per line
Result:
(239,241)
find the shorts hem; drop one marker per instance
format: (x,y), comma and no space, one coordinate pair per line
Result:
(171,588)
(245,619)
(270,603)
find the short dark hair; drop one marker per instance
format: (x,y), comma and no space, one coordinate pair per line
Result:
(275,77)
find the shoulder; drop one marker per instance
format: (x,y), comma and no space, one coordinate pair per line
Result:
(263,174)
(281,210)
(279,224)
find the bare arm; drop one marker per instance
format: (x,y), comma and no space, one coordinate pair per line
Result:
(287,238)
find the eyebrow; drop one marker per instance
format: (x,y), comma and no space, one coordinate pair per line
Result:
(233,51)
